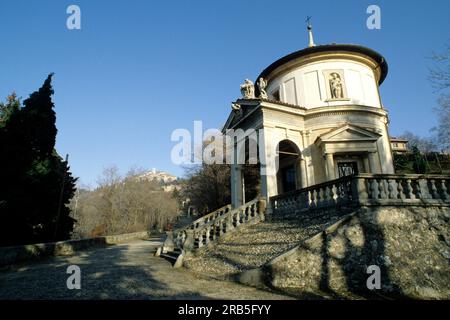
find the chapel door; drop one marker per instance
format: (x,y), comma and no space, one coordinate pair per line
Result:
(347,168)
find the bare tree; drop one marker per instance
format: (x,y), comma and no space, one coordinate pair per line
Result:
(423,144)
(122,205)
(440,79)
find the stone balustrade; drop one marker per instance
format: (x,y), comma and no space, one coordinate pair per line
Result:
(366,190)
(211,227)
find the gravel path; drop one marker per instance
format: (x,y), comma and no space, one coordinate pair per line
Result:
(126,271)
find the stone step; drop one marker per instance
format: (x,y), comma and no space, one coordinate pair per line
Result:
(252,246)
(171,256)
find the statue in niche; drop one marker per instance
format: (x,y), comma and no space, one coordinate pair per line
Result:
(262,84)
(248,89)
(336,86)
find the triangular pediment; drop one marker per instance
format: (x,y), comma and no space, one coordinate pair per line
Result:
(348,132)
(237,115)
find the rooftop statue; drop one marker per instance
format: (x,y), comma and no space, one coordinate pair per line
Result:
(262,84)
(248,89)
(236,108)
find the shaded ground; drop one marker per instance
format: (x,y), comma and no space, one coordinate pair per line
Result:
(126,271)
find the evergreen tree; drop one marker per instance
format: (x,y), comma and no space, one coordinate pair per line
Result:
(419,164)
(32,173)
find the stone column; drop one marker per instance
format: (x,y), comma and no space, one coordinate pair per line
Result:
(366,164)
(268,169)
(237,191)
(306,154)
(301,173)
(374,168)
(330,166)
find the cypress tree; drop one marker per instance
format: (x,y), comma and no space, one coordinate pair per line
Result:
(32,174)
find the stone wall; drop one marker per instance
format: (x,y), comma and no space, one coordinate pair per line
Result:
(16,254)
(410,245)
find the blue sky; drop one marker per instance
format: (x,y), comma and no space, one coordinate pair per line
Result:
(137,70)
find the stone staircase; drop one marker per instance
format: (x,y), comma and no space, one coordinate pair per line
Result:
(255,245)
(294,247)
(182,222)
(208,229)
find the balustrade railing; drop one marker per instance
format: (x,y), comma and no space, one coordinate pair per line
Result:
(211,227)
(366,189)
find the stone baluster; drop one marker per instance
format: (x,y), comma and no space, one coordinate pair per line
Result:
(320,197)
(358,190)
(381,189)
(400,191)
(392,189)
(410,189)
(374,189)
(334,195)
(444,190)
(207,235)
(313,198)
(326,196)
(434,190)
(200,238)
(330,195)
(188,244)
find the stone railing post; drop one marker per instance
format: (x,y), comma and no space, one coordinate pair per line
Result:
(359,190)
(200,238)
(444,190)
(229,223)
(188,245)
(422,185)
(169,244)
(262,208)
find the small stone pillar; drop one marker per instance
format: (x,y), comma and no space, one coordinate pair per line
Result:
(374,168)
(262,204)
(188,245)
(330,166)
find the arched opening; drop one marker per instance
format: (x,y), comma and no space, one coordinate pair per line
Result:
(288,174)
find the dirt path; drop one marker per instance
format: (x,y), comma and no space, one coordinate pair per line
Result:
(126,271)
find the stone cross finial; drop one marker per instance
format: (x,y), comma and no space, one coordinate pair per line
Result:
(310,33)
